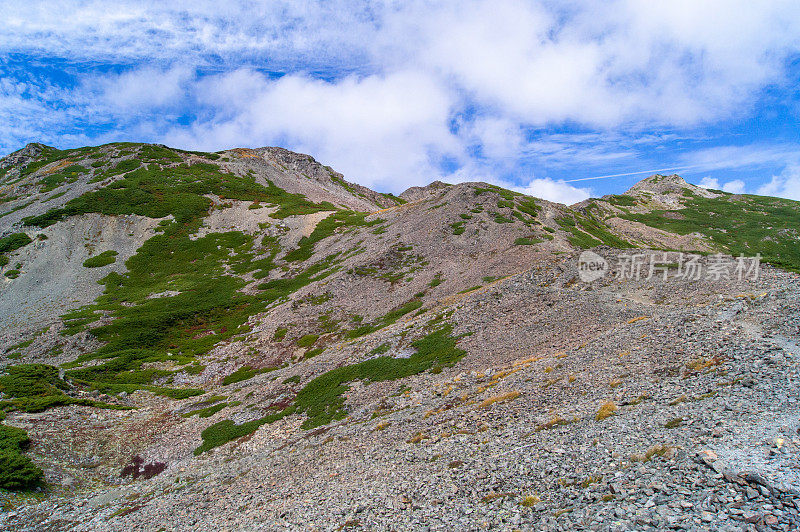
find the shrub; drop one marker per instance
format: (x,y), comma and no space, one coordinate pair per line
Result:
(14,241)
(17,471)
(527,241)
(103,259)
(307,340)
(241,374)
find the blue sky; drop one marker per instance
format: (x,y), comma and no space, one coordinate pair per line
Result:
(540,96)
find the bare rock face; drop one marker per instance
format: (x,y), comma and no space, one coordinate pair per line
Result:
(23,156)
(664,187)
(246,340)
(419,193)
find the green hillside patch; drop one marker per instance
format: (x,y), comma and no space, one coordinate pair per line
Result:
(178,298)
(322,401)
(37,387)
(244,373)
(327,227)
(527,241)
(13,242)
(157,191)
(587,232)
(17,471)
(385,320)
(622,200)
(738,224)
(205,306)
(103,259)
(69,174)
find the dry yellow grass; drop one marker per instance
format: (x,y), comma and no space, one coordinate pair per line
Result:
(526,362)
(503,397)
(634,320)
(418,437)
(245,152)
(530,500)
(607,410)
(382,425)
(58,166)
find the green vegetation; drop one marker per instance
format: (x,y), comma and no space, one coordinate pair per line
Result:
(17,471)
(504,193)
(307,340)
(458,228)
(207,307)
(588,232)
(311,353)
(436,281)
(13,242)
(157,191)
(385,320)
(322,401)
(326,228)
(741,224)
(527,241)
(69,174)
(103,259)
(397,200)
(242,374)
(381,349)
(621,200)
(206,412)
(37,387)
(280,334)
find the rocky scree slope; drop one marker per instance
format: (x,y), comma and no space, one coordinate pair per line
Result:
(248,319)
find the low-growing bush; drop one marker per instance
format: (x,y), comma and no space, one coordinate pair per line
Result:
(103,259)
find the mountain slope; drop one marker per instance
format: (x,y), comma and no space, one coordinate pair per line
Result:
(247,311)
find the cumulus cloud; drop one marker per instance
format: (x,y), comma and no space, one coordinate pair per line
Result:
(784,185)
(395,94)
(709,182)
(554,190)
(386,131)
(735,186)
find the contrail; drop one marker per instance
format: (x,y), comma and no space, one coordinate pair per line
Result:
(633,173)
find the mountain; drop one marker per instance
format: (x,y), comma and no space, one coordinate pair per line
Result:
(245,339)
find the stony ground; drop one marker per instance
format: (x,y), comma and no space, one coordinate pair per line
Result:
(704,436)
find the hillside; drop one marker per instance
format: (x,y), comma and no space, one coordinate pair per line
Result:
(281,348)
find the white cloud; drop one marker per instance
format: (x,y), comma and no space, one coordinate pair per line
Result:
(709,182)
(734,187)
(385,131)
(138,90)
(552,190)
(785,185)
(497,137)
(741,156)
(385,91)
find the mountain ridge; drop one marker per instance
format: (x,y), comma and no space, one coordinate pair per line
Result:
(247,305)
